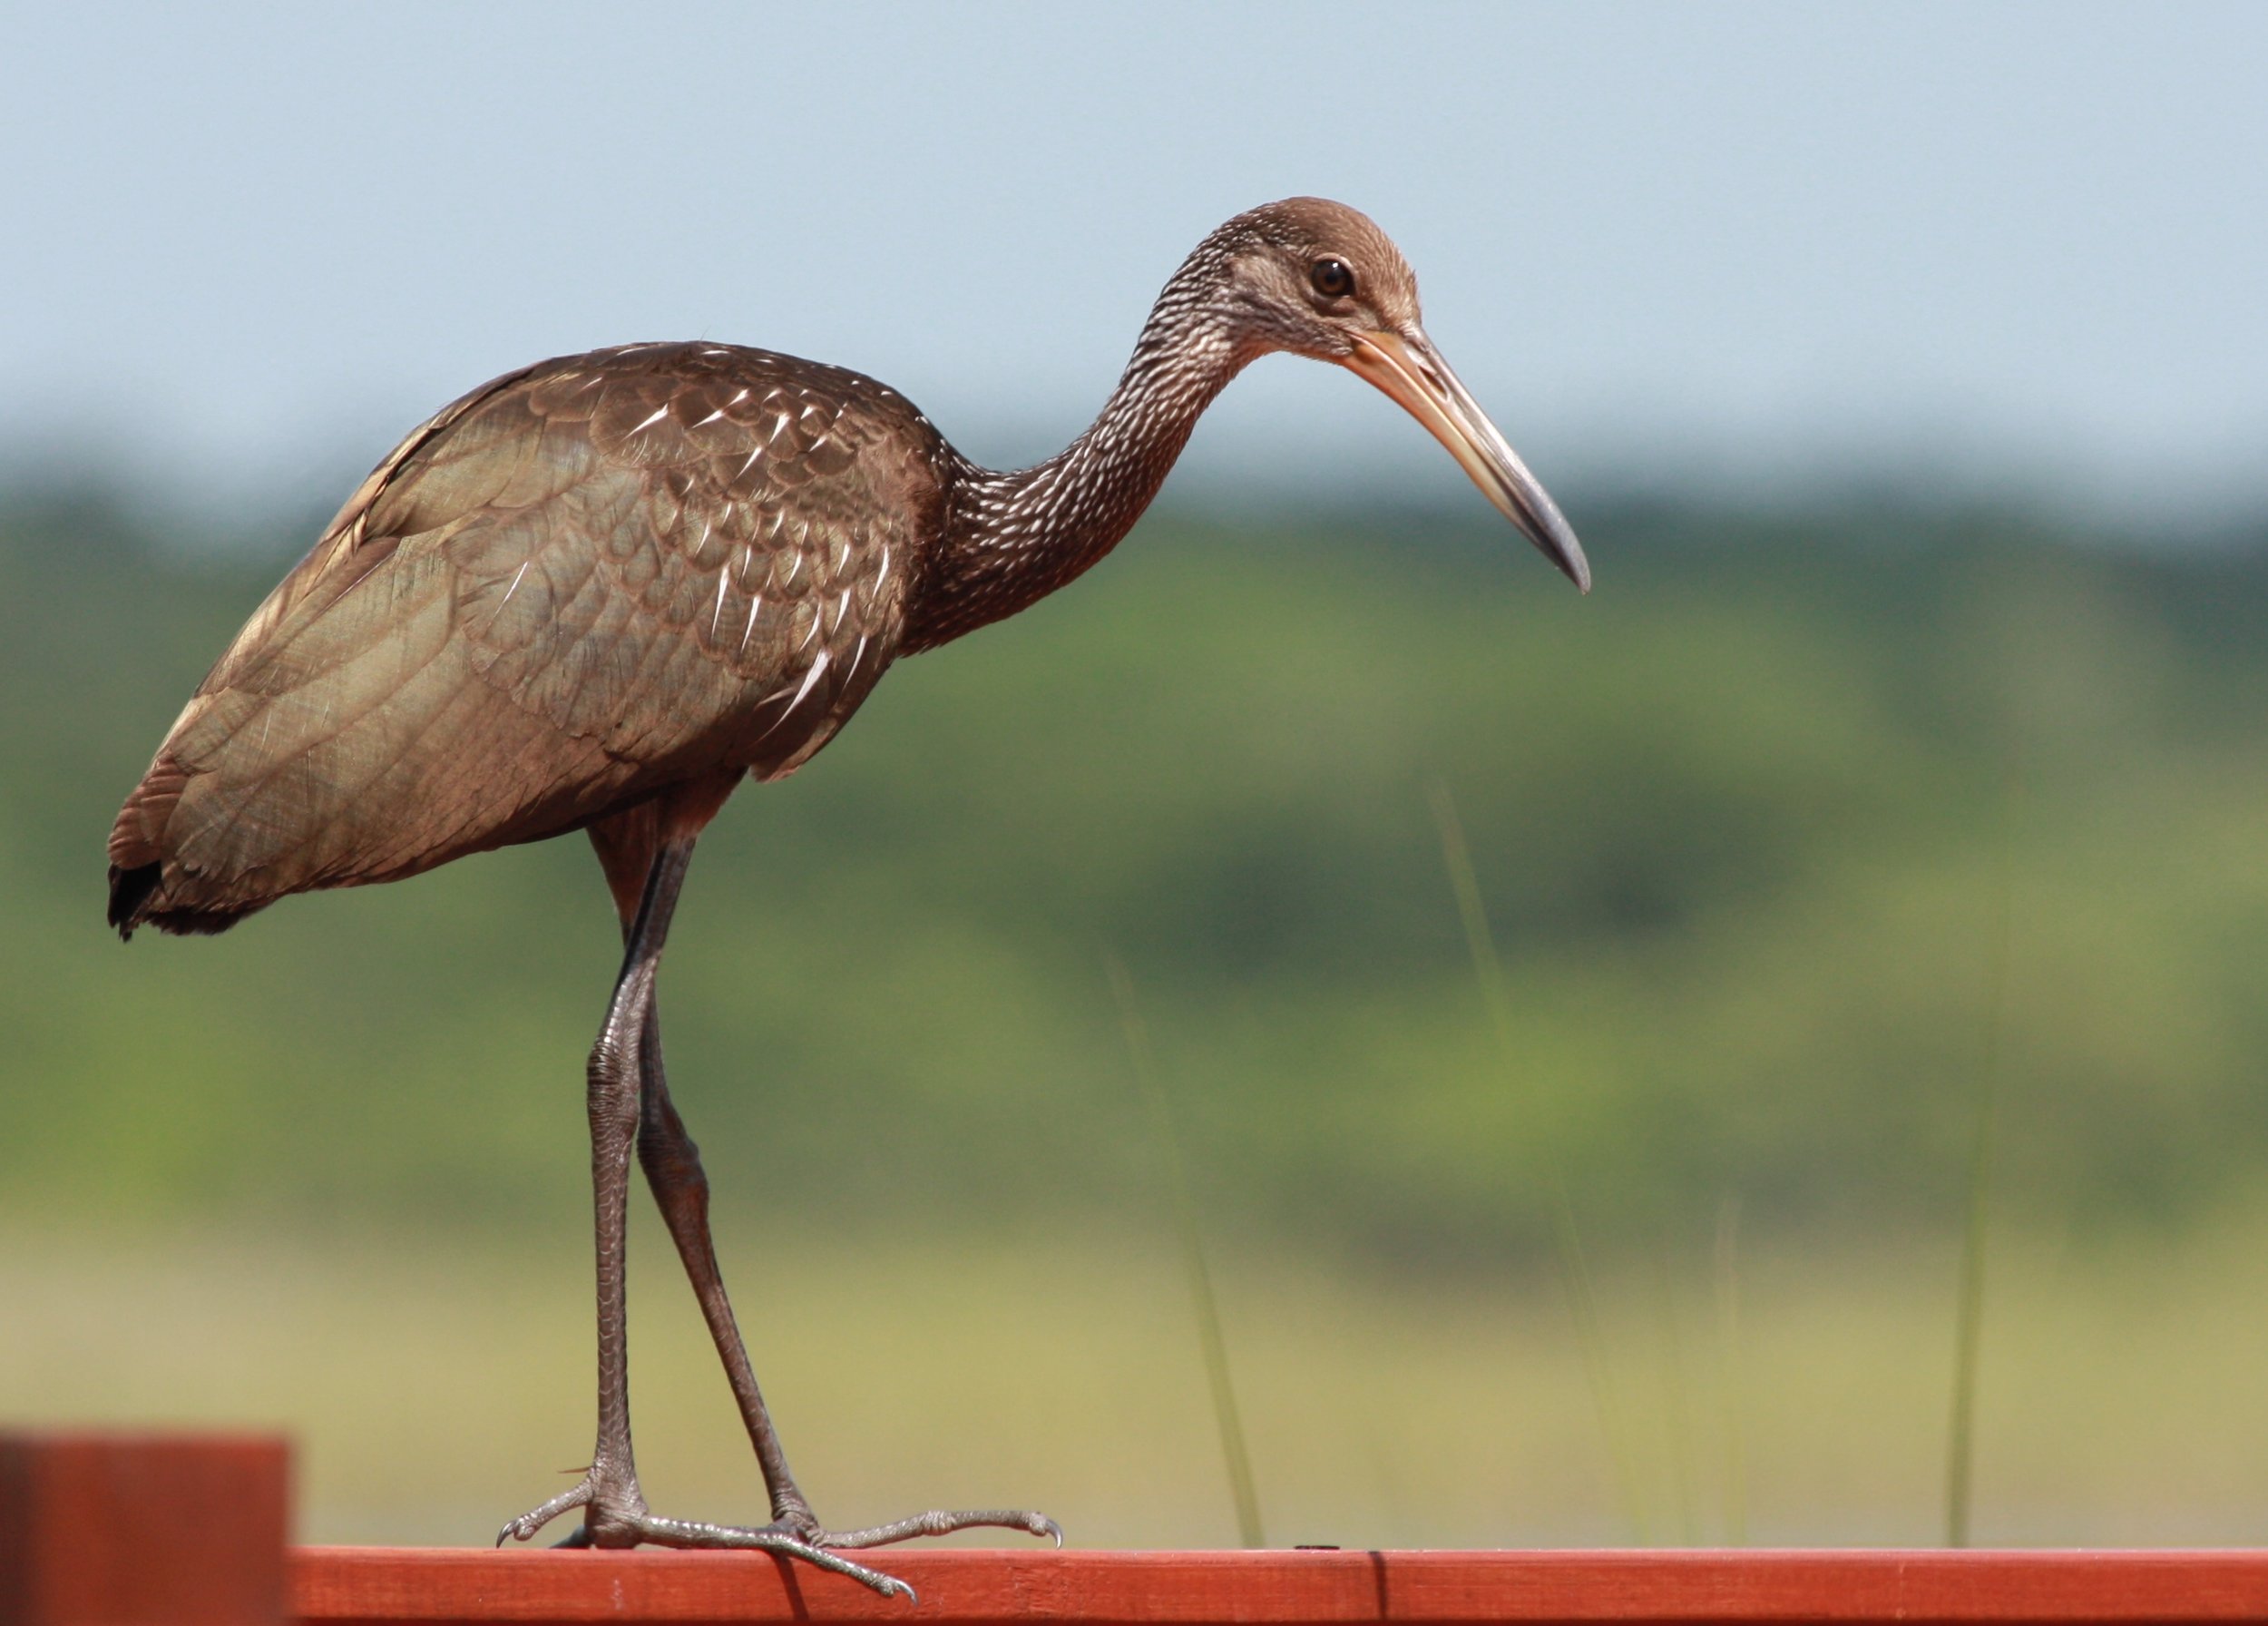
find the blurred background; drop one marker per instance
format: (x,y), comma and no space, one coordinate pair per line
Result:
(1904,373)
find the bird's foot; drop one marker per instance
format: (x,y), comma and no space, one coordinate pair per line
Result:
(616,1516)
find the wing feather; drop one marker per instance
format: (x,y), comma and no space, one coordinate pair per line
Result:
(578,585)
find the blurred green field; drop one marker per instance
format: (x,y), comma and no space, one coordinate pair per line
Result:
(1747,822)
(435,1390)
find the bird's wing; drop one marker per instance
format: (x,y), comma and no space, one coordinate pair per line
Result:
(580,584)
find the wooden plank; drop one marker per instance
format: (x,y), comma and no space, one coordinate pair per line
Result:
(364,1586)
(142,1529)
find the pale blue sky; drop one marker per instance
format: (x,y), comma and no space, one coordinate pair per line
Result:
(2022,246)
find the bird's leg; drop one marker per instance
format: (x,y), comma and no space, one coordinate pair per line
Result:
(673,1169)
(609,1491)
(614,1510)
(672,1163)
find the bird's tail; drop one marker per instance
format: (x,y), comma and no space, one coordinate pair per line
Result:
(142,893)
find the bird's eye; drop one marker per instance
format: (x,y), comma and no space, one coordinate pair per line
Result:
(1332,278)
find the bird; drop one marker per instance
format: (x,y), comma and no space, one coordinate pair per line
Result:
(598,592)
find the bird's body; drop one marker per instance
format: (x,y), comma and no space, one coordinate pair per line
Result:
(598,592)
(576,587)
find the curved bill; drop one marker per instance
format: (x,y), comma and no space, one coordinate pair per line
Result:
(1410,369)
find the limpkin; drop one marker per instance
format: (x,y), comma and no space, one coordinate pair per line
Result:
(598,593)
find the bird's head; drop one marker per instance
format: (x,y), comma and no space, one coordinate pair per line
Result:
(1318,278)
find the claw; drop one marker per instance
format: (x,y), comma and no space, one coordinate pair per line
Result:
(819,1558)
(524,1527)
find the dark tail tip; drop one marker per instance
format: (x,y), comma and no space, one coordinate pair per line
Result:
(130,890)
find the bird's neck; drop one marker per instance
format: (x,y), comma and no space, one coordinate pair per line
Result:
(1014,536)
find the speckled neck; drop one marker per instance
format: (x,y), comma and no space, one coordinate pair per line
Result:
(1014,536)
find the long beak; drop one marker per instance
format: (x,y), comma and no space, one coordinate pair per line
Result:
(1410,369)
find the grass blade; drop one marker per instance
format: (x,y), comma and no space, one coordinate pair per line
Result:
(1676,1402)
(1235,1455)
(1567,1238)
(1968,1316)
(1728,1273)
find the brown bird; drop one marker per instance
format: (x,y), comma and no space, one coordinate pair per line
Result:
(597,593)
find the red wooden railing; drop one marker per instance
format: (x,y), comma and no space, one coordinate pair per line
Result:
(143,1532)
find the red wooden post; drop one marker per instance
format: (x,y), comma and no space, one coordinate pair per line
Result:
(142,1529)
